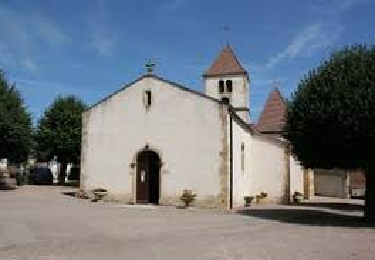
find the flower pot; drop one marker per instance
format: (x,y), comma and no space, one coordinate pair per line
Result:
(187,197)
(99,195)
(248,200)
(297,199)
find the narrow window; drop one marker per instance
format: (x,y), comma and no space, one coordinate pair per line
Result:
(147,98)
(225,100)
(229,86)
(221,86)
(242,157)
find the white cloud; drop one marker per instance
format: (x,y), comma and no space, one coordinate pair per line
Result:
(30,27)
(56,86)
(173,5)
(176,13)
(313,37)
(331,7)
(51,33)
(21,35)
(6,58)
(28,64)
(262,81)
(101,40)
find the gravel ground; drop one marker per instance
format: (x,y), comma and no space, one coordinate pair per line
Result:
(41,223)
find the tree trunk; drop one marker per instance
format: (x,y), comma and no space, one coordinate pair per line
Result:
(370,195)
(62,172)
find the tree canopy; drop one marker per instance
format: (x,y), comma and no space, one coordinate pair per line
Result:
(15,123)
(59,130)
(331,117)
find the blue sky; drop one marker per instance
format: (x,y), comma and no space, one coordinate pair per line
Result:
(89,48)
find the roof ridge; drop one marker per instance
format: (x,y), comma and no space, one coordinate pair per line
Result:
(235,56)
(174,84)
(279,93)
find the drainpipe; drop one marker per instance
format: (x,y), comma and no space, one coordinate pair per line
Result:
(231,162)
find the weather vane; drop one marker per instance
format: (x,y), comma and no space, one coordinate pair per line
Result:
(149,66)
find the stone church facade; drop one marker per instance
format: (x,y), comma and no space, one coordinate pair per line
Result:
(154,138)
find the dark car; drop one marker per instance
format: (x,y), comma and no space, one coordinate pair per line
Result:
(40,175)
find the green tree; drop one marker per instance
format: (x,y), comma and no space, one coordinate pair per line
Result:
(15,123)
(331,117)
(59,132)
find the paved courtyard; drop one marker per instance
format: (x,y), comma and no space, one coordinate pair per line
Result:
(41,223)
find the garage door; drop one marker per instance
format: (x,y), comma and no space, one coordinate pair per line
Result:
(327,184)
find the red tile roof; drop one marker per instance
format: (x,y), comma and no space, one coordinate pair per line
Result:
(226,64)
(272,117)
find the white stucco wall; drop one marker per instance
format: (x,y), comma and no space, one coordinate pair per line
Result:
(184,128)
(238,98)
(296,176)
(267,168)
(264,166)
(241,175)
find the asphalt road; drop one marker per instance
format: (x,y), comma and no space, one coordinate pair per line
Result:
(40,223)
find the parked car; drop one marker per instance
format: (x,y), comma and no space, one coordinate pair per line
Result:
(40,175)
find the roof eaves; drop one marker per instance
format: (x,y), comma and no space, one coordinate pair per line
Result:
(208,75)
(185,88)
(124,86)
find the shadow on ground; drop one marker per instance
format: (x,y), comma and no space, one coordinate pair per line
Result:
(332,205)
(69,193)
(307,216)
(6,188)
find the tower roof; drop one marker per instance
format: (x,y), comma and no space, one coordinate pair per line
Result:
(272,117)
(226,64)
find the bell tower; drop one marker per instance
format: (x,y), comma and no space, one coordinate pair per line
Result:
(229,82)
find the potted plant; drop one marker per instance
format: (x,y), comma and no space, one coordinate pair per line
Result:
(297,197)
(187,197)
(99,193)
(259,198)
(248,200)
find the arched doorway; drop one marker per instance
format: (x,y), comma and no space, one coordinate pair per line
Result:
(148,177)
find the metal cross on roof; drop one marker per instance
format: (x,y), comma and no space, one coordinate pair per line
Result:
(225,34)
(149,66)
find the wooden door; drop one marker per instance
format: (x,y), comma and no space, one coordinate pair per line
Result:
(142,189)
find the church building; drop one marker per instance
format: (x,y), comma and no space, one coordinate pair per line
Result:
(153,139)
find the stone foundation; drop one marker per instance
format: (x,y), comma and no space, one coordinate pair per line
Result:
(213,202)
(202,202)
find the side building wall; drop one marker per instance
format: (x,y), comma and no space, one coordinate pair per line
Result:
(259,165)
(268,167)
